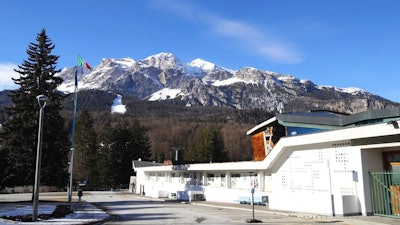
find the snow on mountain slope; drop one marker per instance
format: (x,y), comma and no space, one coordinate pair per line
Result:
(125,63)
(165,94)
(206,66)
(231,81)
(349,90)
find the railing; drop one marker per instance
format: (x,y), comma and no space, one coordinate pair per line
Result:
(385,192)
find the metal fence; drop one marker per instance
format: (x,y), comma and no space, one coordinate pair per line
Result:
(385,188)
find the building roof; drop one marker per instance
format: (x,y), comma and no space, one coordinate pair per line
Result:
(328,120)
(260,127)
(139,163)
(378,115)
(313,117)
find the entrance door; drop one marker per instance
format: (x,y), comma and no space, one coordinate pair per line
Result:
(385,186)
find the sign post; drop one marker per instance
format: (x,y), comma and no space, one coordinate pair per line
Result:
(252,190)
(252,199)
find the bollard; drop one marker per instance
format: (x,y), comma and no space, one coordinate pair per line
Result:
(80,193)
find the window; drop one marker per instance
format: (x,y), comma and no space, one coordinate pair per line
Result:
(210,179)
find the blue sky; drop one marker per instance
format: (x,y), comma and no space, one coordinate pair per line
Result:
(342,43)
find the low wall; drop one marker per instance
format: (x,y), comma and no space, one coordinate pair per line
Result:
(29,189)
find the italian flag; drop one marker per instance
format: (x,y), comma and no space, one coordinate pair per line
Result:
(83,63)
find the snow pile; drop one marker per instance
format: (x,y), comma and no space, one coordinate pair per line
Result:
(117,106)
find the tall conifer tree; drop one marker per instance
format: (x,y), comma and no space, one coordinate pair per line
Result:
(126,141)
(86,155)
(209,147)
(19,138)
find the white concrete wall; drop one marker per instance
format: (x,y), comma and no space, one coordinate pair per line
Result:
(159,187)
(372,161)
(347,180)
(229,195)
(140,178)
(311,180)
(302,183)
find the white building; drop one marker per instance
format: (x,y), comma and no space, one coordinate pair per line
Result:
(316,162)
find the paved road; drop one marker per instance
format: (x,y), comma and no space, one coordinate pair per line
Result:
(126,208)
(131,209)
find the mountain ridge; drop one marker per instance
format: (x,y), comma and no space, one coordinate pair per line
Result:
(201,83)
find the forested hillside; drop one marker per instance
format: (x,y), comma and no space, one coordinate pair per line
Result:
(169,124)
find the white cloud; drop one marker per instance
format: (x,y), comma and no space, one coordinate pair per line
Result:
(249,36)
(6,73)
(246,35)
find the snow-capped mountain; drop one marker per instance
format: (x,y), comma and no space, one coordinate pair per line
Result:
(201,83)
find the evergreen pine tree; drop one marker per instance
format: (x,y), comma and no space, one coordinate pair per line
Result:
(126,141)
(141,142)
(86,155)
(209,147)
(122,154)
(3,167)
(104,170)
(216,146)
(19,138)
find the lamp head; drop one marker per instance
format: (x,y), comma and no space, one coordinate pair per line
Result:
(42,99)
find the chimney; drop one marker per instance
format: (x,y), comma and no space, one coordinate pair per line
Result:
(176,155)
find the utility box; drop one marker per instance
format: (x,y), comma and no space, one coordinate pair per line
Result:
(182,196)
(347,205)
(196,196)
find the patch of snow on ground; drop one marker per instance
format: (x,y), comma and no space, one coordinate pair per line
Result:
(87,215)
(117,106)
(26,210)
(164,94)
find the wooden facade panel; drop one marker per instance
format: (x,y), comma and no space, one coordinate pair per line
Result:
(257,142)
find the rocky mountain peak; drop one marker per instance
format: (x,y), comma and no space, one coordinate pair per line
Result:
(163,61)
(202,83)
(118,62)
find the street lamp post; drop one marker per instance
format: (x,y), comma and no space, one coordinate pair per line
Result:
(42,103)
(71,162)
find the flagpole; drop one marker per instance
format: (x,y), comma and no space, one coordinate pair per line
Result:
(71,163)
